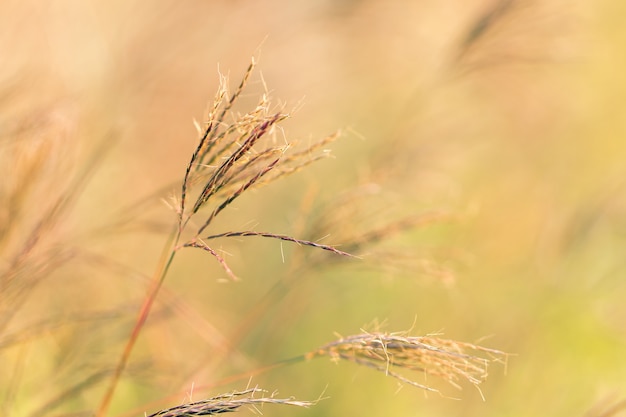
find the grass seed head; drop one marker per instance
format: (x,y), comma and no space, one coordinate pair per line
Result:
(449,360)
(227,403)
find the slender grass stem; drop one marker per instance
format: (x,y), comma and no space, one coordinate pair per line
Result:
(169,252)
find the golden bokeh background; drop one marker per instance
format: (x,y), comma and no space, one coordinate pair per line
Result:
(508,114)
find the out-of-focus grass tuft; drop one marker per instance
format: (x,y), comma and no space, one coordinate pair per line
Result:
(485,143)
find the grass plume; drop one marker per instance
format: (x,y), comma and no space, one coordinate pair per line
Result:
(449,360)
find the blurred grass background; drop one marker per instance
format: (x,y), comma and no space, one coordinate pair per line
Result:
(508,114)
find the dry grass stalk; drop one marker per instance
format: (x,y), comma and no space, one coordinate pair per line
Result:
(447,359)
(226,403)
(230,158)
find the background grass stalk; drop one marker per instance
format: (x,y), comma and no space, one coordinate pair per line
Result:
(157,282)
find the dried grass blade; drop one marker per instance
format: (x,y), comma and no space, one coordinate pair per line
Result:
(282,237)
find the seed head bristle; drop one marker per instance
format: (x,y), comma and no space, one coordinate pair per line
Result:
(296,161)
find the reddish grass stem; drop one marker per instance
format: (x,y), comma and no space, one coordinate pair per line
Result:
(159,276)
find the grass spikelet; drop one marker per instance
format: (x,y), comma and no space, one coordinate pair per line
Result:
(237,193)
(217,256)
(217,180)
(227,403)
(449,360)
(299,160)
(282,237)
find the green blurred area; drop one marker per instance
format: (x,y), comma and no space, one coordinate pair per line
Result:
(508,114)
